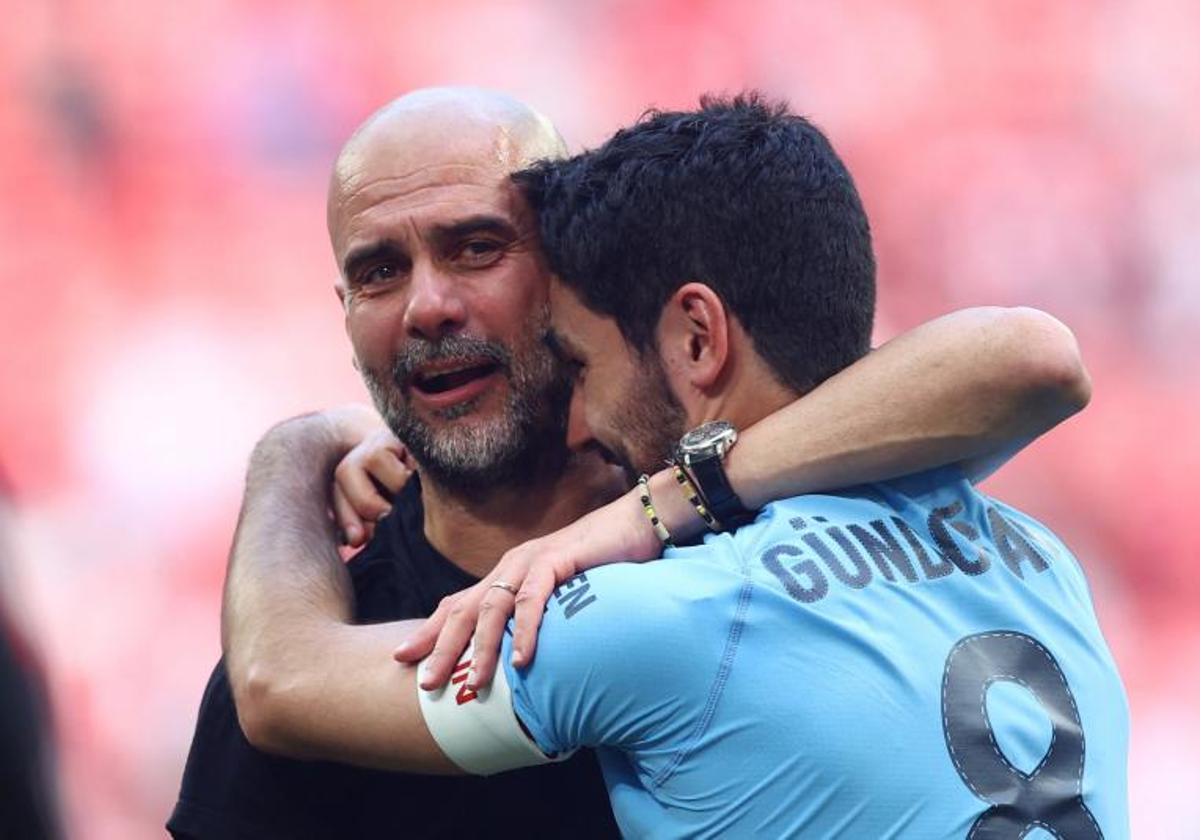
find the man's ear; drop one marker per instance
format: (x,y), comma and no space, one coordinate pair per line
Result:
(693,335)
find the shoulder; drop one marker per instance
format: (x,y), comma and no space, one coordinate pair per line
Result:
(627,600)
(613,638)
(928,488)
(906,496)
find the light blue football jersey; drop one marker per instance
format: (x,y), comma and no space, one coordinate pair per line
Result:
(904,659)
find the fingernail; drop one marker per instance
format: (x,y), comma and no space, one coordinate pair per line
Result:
(352,534)
(381,516)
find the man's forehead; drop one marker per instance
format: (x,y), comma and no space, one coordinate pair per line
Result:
(434,150)
(413,149)
(405,142)
(399,198)
(398,168)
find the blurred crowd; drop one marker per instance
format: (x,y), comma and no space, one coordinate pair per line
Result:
(166,288)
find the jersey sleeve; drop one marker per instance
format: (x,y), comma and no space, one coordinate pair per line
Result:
(623,653)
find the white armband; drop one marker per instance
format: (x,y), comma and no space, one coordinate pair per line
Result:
(478,730)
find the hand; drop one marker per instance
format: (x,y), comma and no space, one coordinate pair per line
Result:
(616,532)
(365,481)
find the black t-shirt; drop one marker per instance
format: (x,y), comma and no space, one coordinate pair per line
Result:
(232,790)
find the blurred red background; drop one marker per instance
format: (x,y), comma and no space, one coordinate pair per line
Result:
(167,287)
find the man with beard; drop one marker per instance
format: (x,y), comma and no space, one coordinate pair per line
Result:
(445,295)
(425,181)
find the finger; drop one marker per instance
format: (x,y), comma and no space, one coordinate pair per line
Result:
(385,466)
(451,641)
(352,478)
(405,456)
(352,527)
(494,611)
(419,644)
(528,610)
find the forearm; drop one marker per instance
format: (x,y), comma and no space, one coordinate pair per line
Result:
(963,388)
(307,682)
(285,581)
(969,388)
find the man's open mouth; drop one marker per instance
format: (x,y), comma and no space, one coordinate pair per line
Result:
(449,378)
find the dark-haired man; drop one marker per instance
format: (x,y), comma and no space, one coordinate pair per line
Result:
(908,657)
(308,682)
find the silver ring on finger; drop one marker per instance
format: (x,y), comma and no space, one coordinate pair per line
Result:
(507,587)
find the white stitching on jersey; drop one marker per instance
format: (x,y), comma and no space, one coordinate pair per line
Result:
(991,734)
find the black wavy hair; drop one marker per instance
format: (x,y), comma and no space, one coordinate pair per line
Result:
(741,195)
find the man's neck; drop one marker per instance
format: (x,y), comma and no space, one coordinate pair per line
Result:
(755,395)
(473,532)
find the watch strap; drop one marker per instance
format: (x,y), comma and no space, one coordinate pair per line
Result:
(708,473)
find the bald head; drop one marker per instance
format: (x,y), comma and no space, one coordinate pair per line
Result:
(445,126)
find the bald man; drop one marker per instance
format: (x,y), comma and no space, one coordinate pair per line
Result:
(464,380)
(445,297)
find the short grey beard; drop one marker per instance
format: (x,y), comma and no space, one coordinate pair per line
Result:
(515,448)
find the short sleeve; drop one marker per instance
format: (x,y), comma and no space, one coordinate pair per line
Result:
(624,653)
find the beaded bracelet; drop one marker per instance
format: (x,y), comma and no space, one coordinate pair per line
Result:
(660,530)
(694,498)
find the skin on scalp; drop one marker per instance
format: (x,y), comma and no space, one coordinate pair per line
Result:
(444,126)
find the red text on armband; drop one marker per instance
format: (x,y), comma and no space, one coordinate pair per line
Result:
(461,670)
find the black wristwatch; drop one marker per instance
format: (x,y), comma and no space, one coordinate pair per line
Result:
(701,452)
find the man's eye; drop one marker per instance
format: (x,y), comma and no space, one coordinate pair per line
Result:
(379,274)
(480,251)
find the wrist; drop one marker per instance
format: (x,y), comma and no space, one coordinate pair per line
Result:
(700,456)
(644,543)
(674,510)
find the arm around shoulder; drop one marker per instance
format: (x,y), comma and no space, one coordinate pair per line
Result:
(306,681)
(338,696)
(970,388)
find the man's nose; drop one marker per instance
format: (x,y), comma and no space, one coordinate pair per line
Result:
(435,305)
(579,434)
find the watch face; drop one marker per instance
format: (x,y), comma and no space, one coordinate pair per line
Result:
(708,436)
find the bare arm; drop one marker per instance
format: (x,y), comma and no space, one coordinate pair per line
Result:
(306,681)
(970,388)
